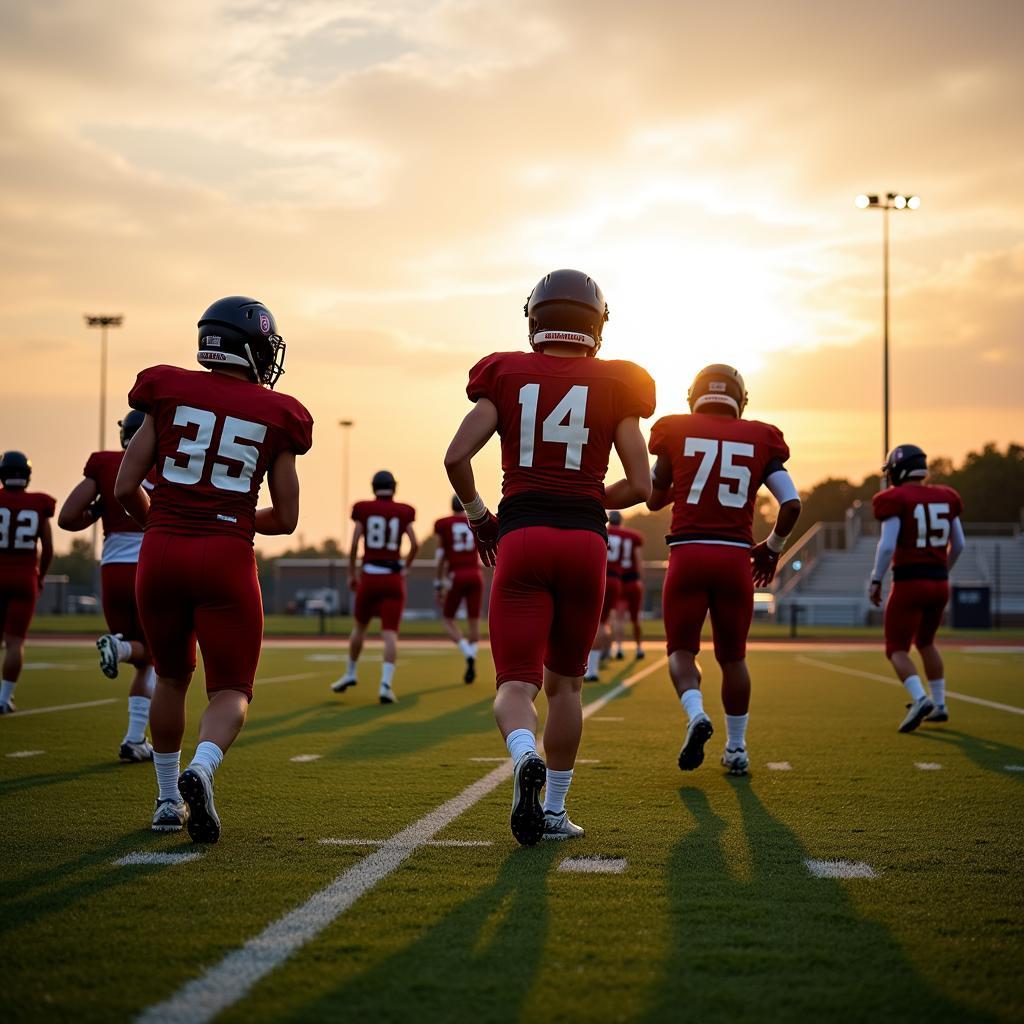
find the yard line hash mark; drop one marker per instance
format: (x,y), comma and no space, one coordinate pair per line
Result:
(134,859)
(26,753)
(228,981)
(840,869)
(594,865)
(779,766)
(305,758)
(927,766)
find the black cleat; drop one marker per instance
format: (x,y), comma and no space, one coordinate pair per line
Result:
(527,820)
(698,733)
(470,670)
(640,654)
(196,788)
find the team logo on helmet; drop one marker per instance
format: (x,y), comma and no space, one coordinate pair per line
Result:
(264,323)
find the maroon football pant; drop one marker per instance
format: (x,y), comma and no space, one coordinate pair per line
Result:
(466,585)
(205,589)
(913,613)
(632,597)
(705,578)
(119,607)
(382,595)
(546,600)
(612,592)
(19,587)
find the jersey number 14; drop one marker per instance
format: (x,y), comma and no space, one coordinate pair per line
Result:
(563,425)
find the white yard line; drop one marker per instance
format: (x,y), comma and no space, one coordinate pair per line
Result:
(895,682)
(227,982)
(61,707)
(381,842)
(291,678)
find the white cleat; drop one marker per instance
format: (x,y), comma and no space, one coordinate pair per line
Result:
(940,714)
(736,760)
(698,732)
(107,646)
(134,753)
(8,708)
(387,695)
(342,684)
(917,712)
(558,826)
(169,816)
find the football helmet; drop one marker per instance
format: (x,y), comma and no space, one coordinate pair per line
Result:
(905,462)
(15,469)
(456,504)
(237,331)
(566,306)
(383,482)
(718,384)
(130,425)
(615,518)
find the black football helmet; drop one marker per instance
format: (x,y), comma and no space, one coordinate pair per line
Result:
(615,517)
(384,482)
(456,504)
(905,462)
(15,470)
(566,306)
(130,425)
(237,331)
(718,384)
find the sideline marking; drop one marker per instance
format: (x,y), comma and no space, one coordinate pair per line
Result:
(60,707)
(779,766)
(928,766)
(895,682)
(26,753)
(606,718)
(305,758)
(287,679)
(1009,767)
(132,859)
(594,865)
(840,869)
(381,842)
(228,981)
(50,666)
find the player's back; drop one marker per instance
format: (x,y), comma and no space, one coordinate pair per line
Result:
(458,543)
(384,522)
(557,418)
(718,463)
(630,543)
(102,468)
(925,512)
(216,436)
(21,518)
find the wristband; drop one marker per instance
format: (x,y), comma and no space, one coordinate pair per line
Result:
(438,584)
(775,543)
(475,509)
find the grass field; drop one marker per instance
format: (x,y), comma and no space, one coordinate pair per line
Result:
(715,917)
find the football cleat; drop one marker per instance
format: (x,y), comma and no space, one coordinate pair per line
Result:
(342,684)
(107,646)
(8,708)
(640,654)
(940,714)
(527,820)
(558,826)
(470,670)
(387,695)
(698,732)
(134,753)
(620,655)
(736,760)
(169,815)
(591,677)
(196,788)
(917,712)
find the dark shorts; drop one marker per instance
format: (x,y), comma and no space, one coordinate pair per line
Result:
(19,587)
(466,585)
(380,595)
(119,606)
(205,589)
(705,578)
(546,600)
(913,613)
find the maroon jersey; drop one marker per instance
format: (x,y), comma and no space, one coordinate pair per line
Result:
(623,543)
(718,464)
(216,436)
(557,419)
(383,521)
(926,512)
(21,518)
(102,468)
(456,540)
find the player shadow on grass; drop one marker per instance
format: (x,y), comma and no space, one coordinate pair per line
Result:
(987,754)
(20,783)
(476,963)
(779,945)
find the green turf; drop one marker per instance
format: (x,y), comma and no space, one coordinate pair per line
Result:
(715,917)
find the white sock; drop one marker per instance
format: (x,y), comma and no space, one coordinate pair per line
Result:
(168,768)
(387,673)
(208,756)
(593,663)
(138,717)
(557,787)
(914,687)
(467,648)
(123,648)
(618,650)
(350,672)
(472,650)
(693,703)
(6,691)
(938,688)
(736,731)
(150,681)
(519,742)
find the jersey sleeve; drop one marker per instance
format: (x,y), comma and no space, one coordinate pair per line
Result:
(658,444)
(359,513)
(637,392)
(144,393)
(956,503)
(410,516)
(47,506)
(299,428)
(886,504)
(778,451)
(483,379)
(92,468)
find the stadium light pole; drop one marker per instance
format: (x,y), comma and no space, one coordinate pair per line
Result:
(885,203)
(346,431)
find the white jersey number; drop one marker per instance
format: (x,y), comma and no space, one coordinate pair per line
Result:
(383,533)
(564,425)
(462,537)
(933,525)
(26,529)
(223,476)
(614,548)
(709,451)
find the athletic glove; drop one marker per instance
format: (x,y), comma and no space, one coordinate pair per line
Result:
(764,562)
(485,530)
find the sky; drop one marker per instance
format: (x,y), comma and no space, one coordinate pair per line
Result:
(392,178)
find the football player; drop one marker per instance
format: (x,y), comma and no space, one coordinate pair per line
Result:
(209,438)
(459,579)
(379,585)
(710,465)
(92,499)
(922,536)
(631,590)
(612,589)
(26,550)
(558,410)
